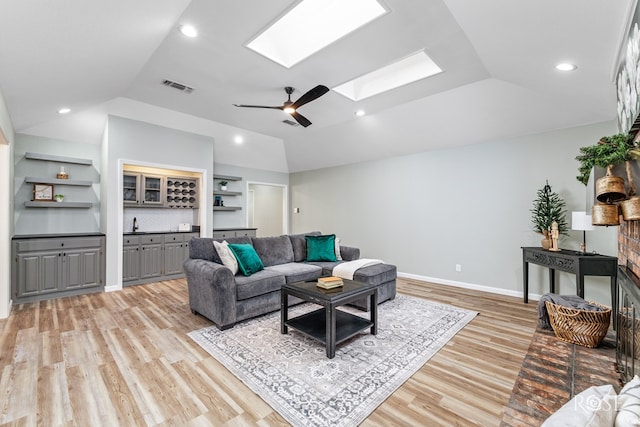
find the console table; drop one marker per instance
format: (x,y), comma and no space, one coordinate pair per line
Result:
(574,262)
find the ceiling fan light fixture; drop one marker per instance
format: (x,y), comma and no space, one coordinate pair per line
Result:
(289,110)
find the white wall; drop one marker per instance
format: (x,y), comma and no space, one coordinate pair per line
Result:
(134,142)
(6,200)
(469,205)
(268,209)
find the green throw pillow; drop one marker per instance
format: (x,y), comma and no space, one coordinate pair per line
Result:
(321,248)
(248,260)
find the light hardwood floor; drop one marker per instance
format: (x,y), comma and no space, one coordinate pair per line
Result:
(123,358)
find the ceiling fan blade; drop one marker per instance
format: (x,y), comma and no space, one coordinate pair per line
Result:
(300,119)
(257,106)
(314,93)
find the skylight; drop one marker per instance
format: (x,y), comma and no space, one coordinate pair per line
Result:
(408,70)
(311,26)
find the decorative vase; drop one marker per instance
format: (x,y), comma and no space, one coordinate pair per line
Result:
(58,197)
(223,187)
(62,174)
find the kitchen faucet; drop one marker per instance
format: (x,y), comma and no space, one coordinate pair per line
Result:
(135,224)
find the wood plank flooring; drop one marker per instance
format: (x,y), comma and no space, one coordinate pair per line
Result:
(123,358)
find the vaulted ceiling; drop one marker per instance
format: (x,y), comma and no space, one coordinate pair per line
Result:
(498,57)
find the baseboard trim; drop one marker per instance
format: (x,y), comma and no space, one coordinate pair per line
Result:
(490,289)
(113,288)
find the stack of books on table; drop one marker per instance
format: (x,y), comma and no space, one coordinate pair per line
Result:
(330,282)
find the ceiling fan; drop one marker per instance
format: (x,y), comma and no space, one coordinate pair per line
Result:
(292,107)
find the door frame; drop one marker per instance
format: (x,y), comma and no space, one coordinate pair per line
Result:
(285,202)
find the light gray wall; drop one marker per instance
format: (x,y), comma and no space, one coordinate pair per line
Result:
(55,220)
(133,142)
(227,219)
(6,200)
(470,206)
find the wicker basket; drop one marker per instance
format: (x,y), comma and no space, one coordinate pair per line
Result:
(583,327)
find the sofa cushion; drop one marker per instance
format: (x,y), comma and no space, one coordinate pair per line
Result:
(327,266)
(248,260)
(299,244)
(376,274)
(321,248)
(297,272)
(260,283)
(228,258)
(273,250)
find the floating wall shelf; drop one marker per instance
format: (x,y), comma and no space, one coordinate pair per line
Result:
(226,208)
(81,205)
(36,180)
(62,159)
(227,177)
(227,193)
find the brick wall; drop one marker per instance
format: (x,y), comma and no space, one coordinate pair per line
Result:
(629,245)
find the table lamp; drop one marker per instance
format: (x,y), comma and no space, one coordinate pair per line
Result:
(581,221)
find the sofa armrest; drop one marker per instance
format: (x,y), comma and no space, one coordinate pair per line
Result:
(349,253)
(212,291)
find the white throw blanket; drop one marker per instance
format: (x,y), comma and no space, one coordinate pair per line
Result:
(347,269)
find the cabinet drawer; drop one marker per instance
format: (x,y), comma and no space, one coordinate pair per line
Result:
(58,243)
(130,240)
(248,233)
(151,238)
(224,234)
(173,238)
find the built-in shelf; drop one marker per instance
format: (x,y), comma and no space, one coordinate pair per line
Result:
(227,193)
(38,180)
(226,208)
(62,159)
(227,177)
(81,205)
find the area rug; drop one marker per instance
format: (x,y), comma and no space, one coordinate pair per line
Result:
(292,373)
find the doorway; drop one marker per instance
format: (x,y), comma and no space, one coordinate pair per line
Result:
(267,209)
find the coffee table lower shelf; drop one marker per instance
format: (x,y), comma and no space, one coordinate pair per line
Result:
(314,326)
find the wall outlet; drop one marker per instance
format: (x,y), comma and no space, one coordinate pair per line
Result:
(296,210)
(458,267)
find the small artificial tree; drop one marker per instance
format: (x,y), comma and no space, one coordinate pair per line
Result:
(608,151)
(547,208)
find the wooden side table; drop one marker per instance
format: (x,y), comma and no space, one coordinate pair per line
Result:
(574,262)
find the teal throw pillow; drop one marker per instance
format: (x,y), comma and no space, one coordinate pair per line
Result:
(248,260)
(321,248)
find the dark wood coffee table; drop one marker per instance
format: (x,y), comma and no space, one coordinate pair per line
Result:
(328,325)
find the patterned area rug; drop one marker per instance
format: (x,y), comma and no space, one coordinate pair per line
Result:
(292,373)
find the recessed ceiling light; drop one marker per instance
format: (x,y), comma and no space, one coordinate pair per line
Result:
(415,67)
(360,113)
(238,139)
(312,25)
(64,110)
(188,30)
(565,66)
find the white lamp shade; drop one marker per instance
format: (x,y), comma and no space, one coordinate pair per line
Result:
(581,221)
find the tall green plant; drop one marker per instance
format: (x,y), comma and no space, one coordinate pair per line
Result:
(610,150)
(547,208)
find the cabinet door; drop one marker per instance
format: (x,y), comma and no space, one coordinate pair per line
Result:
(152,190)
(81,268)
(130,263)
(151,260)
(37,272)
(173,258)
(130,188)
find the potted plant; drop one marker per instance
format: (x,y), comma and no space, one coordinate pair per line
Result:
(547,208)
(223,185)
(58,197)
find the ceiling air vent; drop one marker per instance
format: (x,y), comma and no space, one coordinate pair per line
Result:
(178,86)
(290,123)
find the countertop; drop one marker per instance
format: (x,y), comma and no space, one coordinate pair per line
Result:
(142,233)
(57,235)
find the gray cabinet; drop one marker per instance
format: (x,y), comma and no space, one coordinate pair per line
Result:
(160,191)
(151,261)
(57,266)
(225,233)
(130,258)
(151,257)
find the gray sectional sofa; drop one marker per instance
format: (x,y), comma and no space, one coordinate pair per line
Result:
(218,295)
